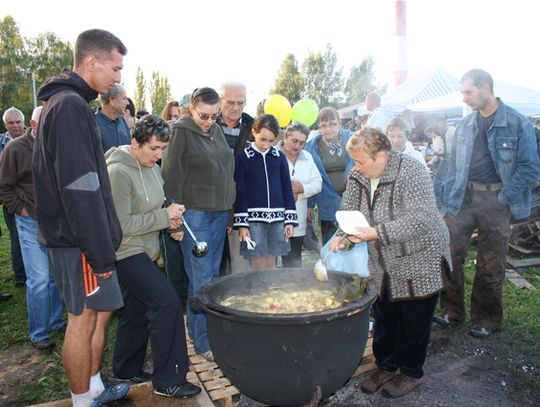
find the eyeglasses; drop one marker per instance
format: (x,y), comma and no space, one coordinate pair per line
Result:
(238,103)
(205,116)
(331,125)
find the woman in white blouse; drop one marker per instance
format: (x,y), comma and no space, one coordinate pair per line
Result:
(306,182)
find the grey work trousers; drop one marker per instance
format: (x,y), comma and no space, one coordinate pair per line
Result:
(480,210)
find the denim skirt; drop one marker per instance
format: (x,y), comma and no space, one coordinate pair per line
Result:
(269,238)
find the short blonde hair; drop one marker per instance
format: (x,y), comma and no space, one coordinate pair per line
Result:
(370,140)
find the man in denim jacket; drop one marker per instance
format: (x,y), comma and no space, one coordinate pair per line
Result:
(492,168)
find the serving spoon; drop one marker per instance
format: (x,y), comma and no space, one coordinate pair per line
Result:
(319,269)
(200,248)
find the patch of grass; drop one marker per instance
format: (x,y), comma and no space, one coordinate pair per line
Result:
(50,385)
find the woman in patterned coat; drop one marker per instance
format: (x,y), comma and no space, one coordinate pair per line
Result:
(408,248)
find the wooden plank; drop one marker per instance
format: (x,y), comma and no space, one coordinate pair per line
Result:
(226,402)
(364,368)
(210,375)
(519,263)
(201,367)
(223,393)
(518,280)
(216,384)
(196,359)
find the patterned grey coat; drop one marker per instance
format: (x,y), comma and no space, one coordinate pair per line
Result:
(413,240)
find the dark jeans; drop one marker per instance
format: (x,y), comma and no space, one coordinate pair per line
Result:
(16,255)
(294,257)
(152,309)
(174,266)
(328,228)
(479,210)
(401,334)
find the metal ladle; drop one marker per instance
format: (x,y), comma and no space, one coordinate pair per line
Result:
(200,248)
(320,268)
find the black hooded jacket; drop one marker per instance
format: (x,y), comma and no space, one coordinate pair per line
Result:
(74,204)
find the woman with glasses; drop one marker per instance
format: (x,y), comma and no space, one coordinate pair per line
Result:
(306,181)
(152,307)
(327,146)
(198,169)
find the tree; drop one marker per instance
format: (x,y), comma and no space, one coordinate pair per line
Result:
(361,81)
(45,56)
(289,81)
(140,90)
(160,92)
(323,82)
(12,70)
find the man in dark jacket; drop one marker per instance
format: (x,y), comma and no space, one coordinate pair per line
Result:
(75,210)
(14,122)
(43,302)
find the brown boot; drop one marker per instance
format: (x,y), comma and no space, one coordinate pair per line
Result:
(375,380)
(400,385)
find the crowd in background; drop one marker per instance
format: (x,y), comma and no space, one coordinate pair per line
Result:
(117,202)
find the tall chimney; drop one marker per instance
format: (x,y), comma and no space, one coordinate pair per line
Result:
(400,8)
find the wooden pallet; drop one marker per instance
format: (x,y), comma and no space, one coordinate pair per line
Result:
(218,387)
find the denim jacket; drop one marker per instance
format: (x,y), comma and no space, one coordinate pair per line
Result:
(513,148)
(328,200)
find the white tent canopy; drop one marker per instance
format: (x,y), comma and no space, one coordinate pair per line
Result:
(418,87)
(524,100)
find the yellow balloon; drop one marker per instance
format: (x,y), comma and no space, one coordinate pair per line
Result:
(280,107)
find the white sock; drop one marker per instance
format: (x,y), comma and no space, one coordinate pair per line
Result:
(82,400)
(96,385)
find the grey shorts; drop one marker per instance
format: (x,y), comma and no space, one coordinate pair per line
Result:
(269,238)
(77,284)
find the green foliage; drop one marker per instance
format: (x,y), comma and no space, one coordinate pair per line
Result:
(44,56)
(140,90)
(361,81)
(323,81)
(289,82)
(160,92)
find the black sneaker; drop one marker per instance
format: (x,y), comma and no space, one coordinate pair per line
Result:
(478,331)
(181,391)
(141,377)
(43,344)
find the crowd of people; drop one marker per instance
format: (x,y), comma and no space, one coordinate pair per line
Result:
(93,201)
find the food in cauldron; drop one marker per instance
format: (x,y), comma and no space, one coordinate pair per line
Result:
(288,299)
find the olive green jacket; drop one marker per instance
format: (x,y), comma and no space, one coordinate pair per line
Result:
(198,169)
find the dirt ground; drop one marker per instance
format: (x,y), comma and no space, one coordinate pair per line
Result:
(459,371)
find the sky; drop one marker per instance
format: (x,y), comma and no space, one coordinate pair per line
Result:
(203,43)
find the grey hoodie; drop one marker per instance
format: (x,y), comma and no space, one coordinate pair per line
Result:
(138,197)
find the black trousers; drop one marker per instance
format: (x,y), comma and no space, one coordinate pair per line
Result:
(152,309)
(16,255)
(294,257)
(174,266)
(401,334)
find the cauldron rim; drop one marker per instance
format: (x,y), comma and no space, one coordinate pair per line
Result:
(211,306)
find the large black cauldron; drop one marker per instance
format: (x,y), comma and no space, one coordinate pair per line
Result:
(280,359)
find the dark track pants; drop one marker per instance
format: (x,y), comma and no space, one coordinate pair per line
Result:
(152,309)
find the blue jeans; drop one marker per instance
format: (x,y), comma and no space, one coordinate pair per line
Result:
(43,302)
(208,227)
